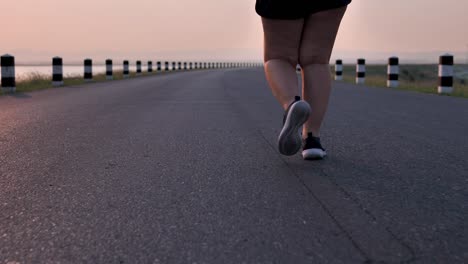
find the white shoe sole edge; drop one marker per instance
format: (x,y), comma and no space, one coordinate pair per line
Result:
(313,154)
(290,140)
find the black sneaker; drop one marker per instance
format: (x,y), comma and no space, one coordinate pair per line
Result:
(313,150)
(289,140)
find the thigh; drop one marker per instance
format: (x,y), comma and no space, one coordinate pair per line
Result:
(318,37)
(282,39)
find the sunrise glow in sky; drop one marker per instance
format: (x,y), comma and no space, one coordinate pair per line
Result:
(218,29)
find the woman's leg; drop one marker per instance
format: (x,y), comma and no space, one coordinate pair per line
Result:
(282,40)
(318,38)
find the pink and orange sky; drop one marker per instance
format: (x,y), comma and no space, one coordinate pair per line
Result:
(219,29)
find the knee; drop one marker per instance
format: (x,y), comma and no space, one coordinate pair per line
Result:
(290,59)
(311,59)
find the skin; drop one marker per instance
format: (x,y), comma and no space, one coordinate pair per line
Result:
(308,42)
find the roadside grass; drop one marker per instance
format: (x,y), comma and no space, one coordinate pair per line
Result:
(419,78)
(35,81)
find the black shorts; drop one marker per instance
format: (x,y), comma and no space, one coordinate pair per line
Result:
(295,9)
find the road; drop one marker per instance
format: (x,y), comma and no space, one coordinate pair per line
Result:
(183,168)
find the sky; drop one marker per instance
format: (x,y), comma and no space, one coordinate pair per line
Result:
(32,30)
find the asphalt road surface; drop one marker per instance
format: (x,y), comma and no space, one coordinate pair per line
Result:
(183,168)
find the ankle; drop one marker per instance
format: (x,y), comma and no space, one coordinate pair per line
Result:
(307,133)
(287,104)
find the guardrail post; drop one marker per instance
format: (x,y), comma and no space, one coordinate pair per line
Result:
(361,71)
(8,73)
(339,70)
(138,68)
(150,66)
(445,74)
(88,70)
(57,71)
(126,69)
(393,71)
(109,70)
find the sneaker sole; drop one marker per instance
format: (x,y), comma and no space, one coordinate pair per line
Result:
(290,140)
(313,154)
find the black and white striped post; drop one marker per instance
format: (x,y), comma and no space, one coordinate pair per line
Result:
(190,66)
(173,66)
(57,71)
(88,70)
(185,66)
(158,66)
(179,66)
(126,69)
(196,65)
(393,72)
(166,66)
(8,73)
(109,70)
(338,70)
(150,66)
(138,68)
(361,71)
(445,74)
